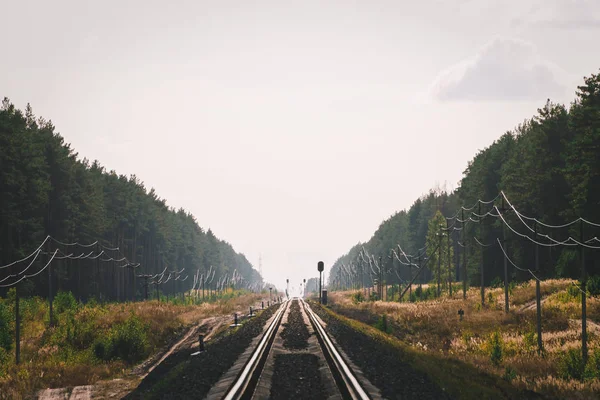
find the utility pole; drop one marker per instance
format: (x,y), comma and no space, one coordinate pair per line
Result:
(410,283)
(464,235)
(538,302)
(380,279)
(410,278)
(50,298)
(584,350)
(448,260)
(17,327)
(439,273)
(505,264)
(482,260)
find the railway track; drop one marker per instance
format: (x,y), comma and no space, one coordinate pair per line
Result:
(275,369)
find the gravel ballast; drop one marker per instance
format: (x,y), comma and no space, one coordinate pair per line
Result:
(297,377)
(384,368)
(295,332)
(181,376)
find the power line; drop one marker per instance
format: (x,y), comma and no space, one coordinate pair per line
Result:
(29,256)
(32,275)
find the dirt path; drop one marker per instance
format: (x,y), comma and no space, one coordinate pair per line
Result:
(530,305)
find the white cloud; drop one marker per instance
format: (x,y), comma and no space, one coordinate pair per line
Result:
(561,14)
(503,69)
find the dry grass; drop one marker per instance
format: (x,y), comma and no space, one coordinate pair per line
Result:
(434,327)
(46,362)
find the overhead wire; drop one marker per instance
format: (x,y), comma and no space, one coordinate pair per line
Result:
(32,275)
(28,257)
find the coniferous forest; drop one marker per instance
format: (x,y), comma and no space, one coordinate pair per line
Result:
(104,230)
(549,168)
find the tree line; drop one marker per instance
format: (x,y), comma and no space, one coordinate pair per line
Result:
(47,190)
(548,166)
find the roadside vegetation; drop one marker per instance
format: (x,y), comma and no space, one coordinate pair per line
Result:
(495,343)
(91,342)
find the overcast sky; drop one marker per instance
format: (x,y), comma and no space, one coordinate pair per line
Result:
(292,128)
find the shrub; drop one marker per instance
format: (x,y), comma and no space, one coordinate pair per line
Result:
(509,374)
(128,341)
(495,348)
(4,355)
(571,295)
(592,369)
(497,282)
(418,292)
(101,349)
(84,333)
(530,341)
(466,336)
(570,364)
(593,285)
(491,299)
(382,324)
(64,301)
(5,331)
(358,297)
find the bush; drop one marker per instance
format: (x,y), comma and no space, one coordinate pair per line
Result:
(102,349)
(495,348)
(64,301)
(382,324)
(418,292)
(592,369)
(530,341)
(358,297)
(3,361)
(570,365)
(466,336)
(422,295)
(490,298)
(509,374)
(84,333)
(5,331)
(497,282)
(593,285)
(571,295)
(127,341)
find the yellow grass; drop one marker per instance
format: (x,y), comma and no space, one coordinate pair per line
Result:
(434,327)
(46,366)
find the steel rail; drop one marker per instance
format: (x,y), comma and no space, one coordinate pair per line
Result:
(349,383)
(243,388)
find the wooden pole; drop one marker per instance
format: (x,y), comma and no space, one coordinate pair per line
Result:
(449,262)
(505,264)
(50,298)
(439,273)
(464,274)
(17,327)
(538,295)
(584,350)
(482,260)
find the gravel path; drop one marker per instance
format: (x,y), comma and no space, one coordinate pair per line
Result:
(297,377)
(295,332)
